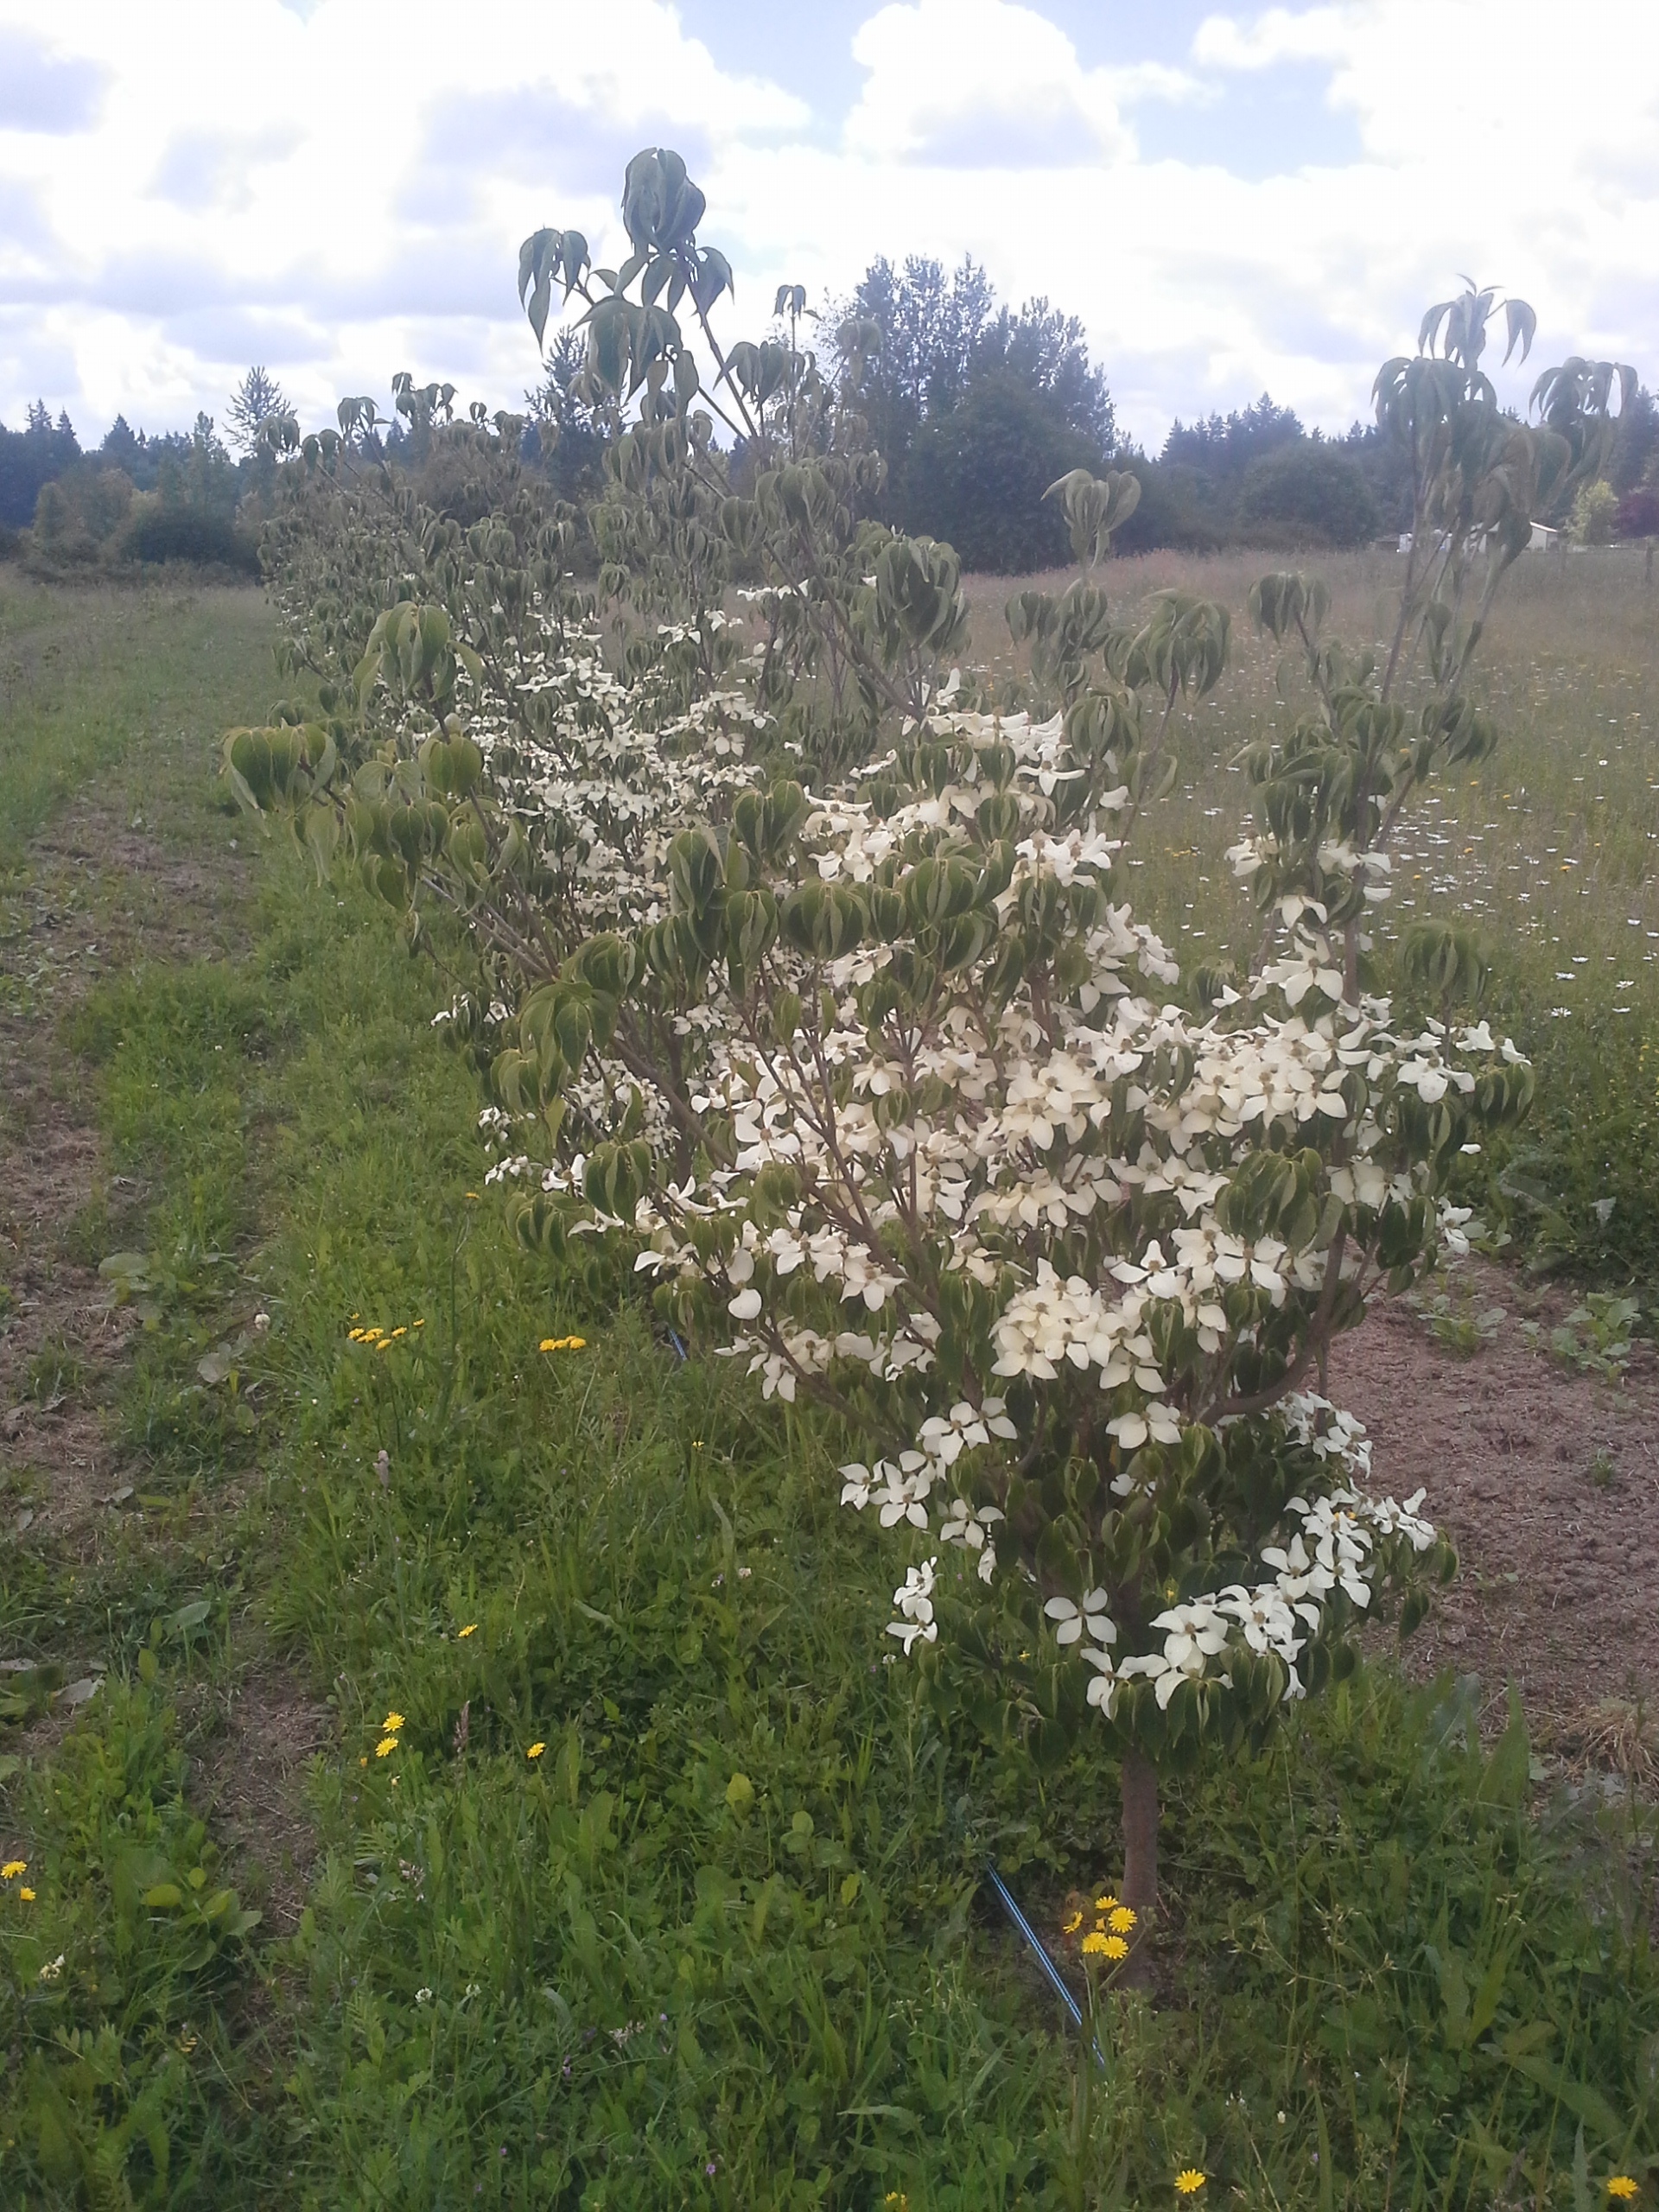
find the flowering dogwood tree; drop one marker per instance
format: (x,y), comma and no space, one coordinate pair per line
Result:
(897,1105)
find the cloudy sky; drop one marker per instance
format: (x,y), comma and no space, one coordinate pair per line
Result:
(1232,202)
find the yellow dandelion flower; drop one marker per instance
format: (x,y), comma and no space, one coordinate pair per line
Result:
(27,1895)
(12,1869)
(1108,1903)
(534,1751)
(385,1746)
(354,1336)
(364,1760)
(471,1629)
(399,1332)
(1073,1925)
(382,1343)
(392,1724)
(357,1316)
(564,1343)
(1094,1944)
(1190,2181)
(470,1194)
(1115,1948)
(1622,2186)
(548,1343)
(420,1325)
(1121,1919)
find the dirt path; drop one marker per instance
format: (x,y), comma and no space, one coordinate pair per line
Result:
(99,896)
(142,867)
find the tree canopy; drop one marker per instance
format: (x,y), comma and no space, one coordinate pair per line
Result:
(969,401)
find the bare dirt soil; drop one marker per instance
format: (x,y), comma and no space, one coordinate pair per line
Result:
(98,895)
(1547,1478)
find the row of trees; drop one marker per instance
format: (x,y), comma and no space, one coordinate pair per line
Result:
(200,496)
(974,407)
(802,986)
(133,497)
(977,408)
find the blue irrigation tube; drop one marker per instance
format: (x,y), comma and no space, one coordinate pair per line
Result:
(1056,1980)
(1051,1974)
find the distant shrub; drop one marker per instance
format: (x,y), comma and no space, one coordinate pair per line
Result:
(1308,493)
(976,477)
(465,481)
(1638,513)
(11,541)
(1595,513)
(158,530)
(60,538)
(75,516)
(1176,509)
(103,498)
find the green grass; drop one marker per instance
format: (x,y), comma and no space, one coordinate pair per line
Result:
(724,1940)
(85,672)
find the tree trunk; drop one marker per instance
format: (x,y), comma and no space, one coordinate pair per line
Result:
(1140,1786)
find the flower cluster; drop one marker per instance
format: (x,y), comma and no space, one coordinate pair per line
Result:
(1036,1210)
(375,1339)
(1107,1937)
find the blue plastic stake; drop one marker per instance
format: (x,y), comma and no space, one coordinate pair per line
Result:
(1055,1978)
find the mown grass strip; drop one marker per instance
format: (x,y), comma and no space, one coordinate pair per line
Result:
(86,673)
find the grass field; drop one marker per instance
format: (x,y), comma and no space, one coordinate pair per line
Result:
(81,671)
(663,1890)
(1552,850)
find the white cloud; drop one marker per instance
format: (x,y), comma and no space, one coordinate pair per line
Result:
(978,83)
(1281,35)
(342,193)
(361,181)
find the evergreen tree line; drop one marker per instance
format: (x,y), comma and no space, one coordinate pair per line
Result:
(131,498)
(976,407)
